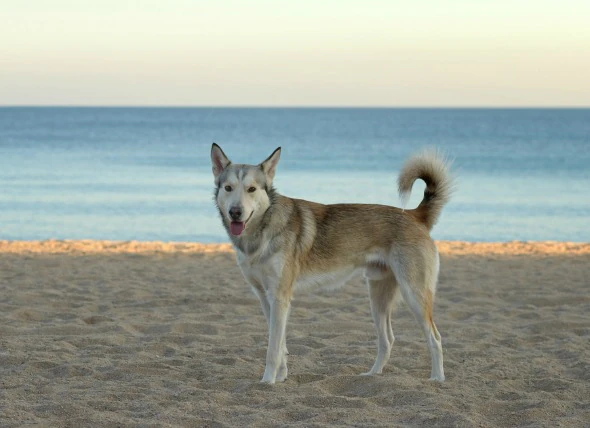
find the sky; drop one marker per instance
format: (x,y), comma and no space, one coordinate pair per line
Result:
(387,53)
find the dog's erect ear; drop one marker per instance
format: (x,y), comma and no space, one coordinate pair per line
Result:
(219,160)
(269,166)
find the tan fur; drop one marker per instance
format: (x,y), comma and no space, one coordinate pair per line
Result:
(295,243)
(432,168)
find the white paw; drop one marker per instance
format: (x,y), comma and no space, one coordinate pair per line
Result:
(437,378)
(268,381)
(282,374)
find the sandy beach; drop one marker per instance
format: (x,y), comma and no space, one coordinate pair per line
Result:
(96,333)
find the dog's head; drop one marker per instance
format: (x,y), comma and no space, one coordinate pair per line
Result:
(242,192)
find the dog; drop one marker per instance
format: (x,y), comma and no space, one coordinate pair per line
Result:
(283,244)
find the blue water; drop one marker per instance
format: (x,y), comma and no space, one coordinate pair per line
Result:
(144,173)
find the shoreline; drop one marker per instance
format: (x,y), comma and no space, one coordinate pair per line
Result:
(448,248)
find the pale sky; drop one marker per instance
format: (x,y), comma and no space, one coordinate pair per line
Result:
(421,53)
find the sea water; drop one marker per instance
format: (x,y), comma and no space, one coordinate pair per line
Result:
(145,173)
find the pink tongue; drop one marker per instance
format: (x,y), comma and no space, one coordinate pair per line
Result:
(236,227)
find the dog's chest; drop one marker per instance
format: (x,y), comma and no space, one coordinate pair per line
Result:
(266,272)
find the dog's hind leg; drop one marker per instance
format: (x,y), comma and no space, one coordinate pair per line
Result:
(417,280)
(382,292)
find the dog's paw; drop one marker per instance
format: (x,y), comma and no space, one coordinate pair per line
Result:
(440,379)
(369,373)
(267,381)
(282,375)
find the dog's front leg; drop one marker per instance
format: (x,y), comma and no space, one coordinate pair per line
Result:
(261,294)
(265,304)
(276,358)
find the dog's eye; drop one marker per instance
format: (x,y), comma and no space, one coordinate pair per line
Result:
(251,189)
(228,188)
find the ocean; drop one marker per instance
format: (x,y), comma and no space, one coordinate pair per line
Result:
(145,174)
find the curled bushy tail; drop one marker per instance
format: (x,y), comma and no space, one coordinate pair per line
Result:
(431,167)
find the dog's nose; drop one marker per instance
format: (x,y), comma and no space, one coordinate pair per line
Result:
(235,213)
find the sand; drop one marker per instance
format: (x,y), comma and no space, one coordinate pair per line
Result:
(156,334)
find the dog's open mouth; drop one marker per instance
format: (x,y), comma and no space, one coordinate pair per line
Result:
(237,227)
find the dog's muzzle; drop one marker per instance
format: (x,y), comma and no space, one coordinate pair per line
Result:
(235,213)
(236,226)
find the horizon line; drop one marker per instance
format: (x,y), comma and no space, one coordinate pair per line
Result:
(200,106)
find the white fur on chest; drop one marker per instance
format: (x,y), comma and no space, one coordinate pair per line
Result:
(266,273)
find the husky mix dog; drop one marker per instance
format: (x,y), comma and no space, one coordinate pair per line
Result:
(283,244)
